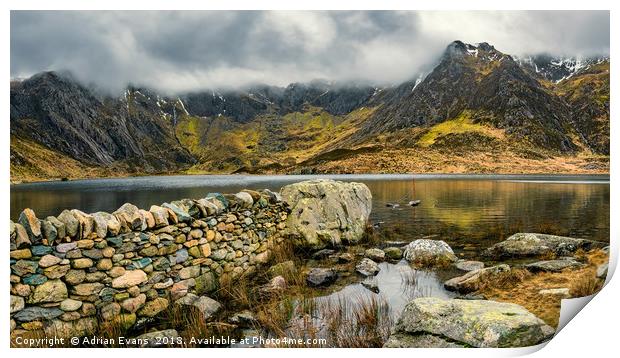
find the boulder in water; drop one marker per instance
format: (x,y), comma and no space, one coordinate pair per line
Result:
(327,212)
(426,252)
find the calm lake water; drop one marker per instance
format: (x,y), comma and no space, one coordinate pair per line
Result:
(467,211)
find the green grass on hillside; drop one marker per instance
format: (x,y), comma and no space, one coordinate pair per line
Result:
(461,124)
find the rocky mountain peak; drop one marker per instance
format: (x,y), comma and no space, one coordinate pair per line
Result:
(458,50)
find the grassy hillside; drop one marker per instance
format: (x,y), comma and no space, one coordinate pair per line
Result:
(31,161)
(268,143)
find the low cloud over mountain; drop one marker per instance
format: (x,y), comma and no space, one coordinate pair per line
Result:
(184,51)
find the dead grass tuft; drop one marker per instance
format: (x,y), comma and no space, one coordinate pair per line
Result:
(523,288)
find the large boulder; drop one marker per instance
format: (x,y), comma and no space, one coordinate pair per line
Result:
(327,212)
(532,244)
(436,322)
(425,252)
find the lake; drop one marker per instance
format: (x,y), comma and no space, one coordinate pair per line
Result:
(467,211)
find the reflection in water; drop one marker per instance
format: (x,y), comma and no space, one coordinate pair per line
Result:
(398,284)
(462,210)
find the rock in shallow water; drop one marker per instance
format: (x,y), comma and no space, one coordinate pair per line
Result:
(371,284)
(367,267)
(426,252)
(393,253)
(436,322)
(376,255)
(321,277)
(473,280)
(327,212)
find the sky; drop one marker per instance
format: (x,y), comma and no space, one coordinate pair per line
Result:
(180,51)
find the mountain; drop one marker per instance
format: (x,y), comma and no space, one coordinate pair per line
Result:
(493,89)
(477,110)
(556,69)
(245,105)
(587,94)
(60,114)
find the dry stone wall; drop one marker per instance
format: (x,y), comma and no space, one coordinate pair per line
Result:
(71,272)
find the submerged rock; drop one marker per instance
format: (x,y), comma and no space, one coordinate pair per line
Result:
(327,212)
(436,322)
(532,244)
(426,252)
(371,284)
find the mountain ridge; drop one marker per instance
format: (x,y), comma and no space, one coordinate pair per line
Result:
(476,96)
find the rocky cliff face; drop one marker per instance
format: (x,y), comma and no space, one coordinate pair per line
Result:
(476,98)
(587,94)
(556,69)
(489,84)
(61,114)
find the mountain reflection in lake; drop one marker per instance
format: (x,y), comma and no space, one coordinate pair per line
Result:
(466,211)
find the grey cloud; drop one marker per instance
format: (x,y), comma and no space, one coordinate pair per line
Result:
(177,51)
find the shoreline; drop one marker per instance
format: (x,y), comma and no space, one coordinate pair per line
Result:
(420,176)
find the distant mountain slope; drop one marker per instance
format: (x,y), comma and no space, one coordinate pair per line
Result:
(492,87)
(587,93)
(556,69)
(476,100)
(62,115)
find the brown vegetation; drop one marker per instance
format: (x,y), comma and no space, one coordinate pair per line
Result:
(522,287)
